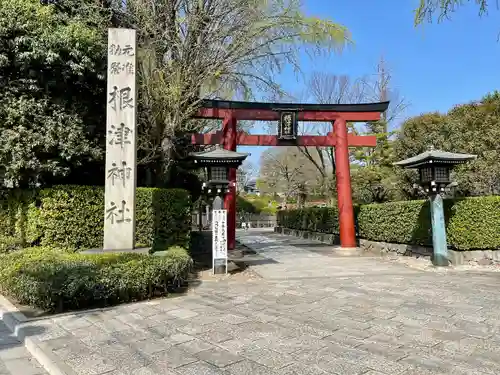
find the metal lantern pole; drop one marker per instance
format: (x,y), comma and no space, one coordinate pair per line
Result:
(434,169)
(438,230)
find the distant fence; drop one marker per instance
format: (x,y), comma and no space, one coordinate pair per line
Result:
(255,220)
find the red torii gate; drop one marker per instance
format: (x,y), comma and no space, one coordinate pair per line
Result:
(232,111)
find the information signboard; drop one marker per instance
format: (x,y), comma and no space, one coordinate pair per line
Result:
(219,239)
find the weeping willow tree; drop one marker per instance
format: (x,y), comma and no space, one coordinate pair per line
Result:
(197,49)
(427,9)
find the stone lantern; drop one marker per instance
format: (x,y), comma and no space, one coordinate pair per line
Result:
(434,168)
(216,164)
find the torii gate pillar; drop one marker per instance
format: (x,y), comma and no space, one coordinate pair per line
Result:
(344,193)
(229,143)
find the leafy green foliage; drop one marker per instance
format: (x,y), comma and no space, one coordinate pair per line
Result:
(57,280)
(471,223)
(472,128)
(474,222)
(427,8)
(73,217)
(316,219)
(373,184)
(51,74)
(9,244)
(255,204)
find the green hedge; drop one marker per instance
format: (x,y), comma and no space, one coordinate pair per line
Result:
(57,280)
(255,204)
(471,223)
(73,217)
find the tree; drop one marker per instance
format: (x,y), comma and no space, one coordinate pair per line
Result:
(196,49)
(51,74)
(244,174)
(328,88)
(470,128)
(374,184)
(374,179)
(285,171)
(325,88)
(427,8)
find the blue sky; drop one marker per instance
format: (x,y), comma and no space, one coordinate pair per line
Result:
(434,66)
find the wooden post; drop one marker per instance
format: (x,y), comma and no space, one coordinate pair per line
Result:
(344,201)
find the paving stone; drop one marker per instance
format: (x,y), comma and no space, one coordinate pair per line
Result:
(300,369)
(89,365)
(72,322)
(422,337)
(218,357)
(45,330)
(195,346)
(343,367)
(91,336)
(215,336)
(13,352)
(171,358)
(247,367)
(428,362)
(146,310)
(24,366)
(195,329)
(288,345)
(130,335)
(200,368)
(142,371)
(305,329)
(380,363)
(182,313)
(179,338)
(160,331)
(152,345)
(480,330)
(269,358)
(234,318)
(237,346)
(331,352)
(392,352)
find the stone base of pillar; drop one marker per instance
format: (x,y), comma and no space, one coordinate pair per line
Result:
(439,260)
(348,251)
(219,270)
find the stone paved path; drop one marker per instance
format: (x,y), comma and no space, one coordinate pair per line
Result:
(14,358)
(286,257)
(344,316)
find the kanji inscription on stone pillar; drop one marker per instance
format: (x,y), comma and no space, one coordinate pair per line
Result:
(121,158)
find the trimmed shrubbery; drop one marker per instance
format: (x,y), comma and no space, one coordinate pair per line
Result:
(471,223)
(73,217)
(58,280)
(254,204)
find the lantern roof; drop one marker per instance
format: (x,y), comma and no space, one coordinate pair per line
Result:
(219,156)
(433,156)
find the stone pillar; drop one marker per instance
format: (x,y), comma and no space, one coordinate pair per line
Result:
(342,170)
(229,134)
(119,200)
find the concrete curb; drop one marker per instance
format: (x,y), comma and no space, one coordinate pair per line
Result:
(15,320)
